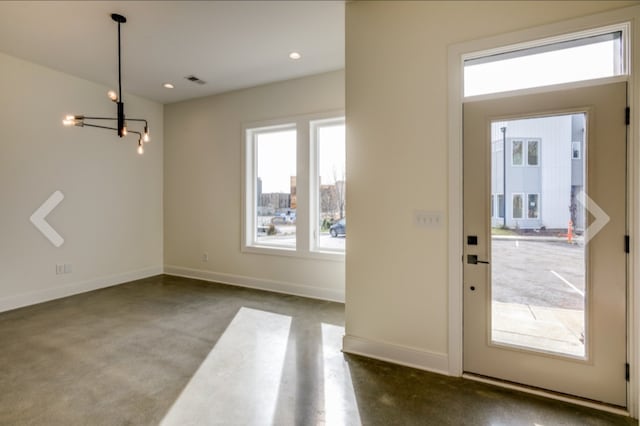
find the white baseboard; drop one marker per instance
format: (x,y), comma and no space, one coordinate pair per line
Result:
(40,296)
(410,357)
(257,283)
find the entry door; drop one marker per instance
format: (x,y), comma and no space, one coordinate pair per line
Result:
(544,228)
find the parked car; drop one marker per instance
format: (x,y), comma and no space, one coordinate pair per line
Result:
(338,228)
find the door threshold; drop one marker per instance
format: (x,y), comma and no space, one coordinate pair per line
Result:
(548,394)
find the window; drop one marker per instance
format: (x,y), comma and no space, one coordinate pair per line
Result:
(294,187)
(579,57)
(516,211)
(517,153)
(273,162)
(533,208)
(329,184)
(501,205)
(533,150)
(576,151)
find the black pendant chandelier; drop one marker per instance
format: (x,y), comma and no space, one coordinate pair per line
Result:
(120,120)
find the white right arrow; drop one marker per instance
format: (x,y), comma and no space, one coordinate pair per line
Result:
(599,216)
(37,218)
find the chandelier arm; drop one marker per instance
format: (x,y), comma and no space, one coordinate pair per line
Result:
(84,117)
(99,127)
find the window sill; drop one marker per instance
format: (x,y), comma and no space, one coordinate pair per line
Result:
(292,252)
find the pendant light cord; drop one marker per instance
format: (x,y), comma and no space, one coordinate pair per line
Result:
(119,67)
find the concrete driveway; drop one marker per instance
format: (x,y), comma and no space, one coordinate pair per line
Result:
(538,294)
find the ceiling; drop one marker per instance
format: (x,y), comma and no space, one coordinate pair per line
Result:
(228,44)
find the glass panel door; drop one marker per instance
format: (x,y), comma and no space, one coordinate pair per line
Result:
(538,246)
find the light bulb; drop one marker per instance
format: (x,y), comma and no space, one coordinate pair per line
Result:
(69,120)
(140,148)
(146,134)
(124,131)
(112,95)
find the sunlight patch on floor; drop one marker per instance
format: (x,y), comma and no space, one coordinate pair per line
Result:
(340,403)
(239,381)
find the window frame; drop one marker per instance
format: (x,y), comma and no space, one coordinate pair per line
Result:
(546,44)
(314,181)
(250,185)
(493,210)
(537,205)
(579,150)
(304,161)
(498,196)
(522,141)
(513,196)
(539,144)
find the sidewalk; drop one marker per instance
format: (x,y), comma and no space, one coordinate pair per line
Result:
(544,328)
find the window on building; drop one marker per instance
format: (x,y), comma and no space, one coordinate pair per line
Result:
(493,197)
(295,184)
(271,166)
(501,205)
(576,151)
(517,153)
(516,211)
(329,184)
(579,57)
(533,153)
(533,207)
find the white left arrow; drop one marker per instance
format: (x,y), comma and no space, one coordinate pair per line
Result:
(37,218)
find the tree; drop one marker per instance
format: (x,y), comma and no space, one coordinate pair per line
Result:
(341,187)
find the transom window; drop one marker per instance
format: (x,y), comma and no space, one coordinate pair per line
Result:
(578,57)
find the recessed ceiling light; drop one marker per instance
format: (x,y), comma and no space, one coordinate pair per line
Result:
(295,55)
(167,86)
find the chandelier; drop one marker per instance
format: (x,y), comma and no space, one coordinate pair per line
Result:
(120,120)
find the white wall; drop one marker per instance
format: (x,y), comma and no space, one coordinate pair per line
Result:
(203,190)
(111,216)
(396,111)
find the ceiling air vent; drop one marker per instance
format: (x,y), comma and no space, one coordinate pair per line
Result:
(195,79)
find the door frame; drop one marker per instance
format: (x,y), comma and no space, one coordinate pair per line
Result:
(456,55)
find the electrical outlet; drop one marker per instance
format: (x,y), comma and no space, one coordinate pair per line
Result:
(427,219)
(67,268)
(59,269)
(205,257)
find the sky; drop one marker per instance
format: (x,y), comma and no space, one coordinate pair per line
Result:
(277,157)
(560,66)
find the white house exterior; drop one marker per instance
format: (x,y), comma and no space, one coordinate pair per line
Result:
(544,172)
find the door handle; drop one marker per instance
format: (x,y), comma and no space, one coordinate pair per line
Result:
(472,259)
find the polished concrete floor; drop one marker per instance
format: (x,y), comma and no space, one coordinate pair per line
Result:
(174,351)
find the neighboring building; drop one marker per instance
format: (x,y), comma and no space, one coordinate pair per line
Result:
(544,172)
(273,202)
